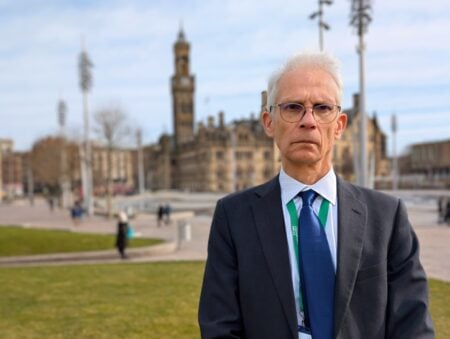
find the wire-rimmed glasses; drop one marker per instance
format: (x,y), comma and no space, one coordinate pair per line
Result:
(294,111)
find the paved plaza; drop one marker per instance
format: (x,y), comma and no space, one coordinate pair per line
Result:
(422,208)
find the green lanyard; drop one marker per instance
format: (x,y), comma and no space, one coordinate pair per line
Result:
(323,214)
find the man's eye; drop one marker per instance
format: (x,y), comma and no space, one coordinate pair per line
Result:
(323,108)
(293,107)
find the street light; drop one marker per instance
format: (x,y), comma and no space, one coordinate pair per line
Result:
(62,110)
(84,67)
(65,182)
(140,159)
(360,19)
(394,153)
(233,147)
(322,25)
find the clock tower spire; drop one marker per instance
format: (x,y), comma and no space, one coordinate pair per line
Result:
(183,84)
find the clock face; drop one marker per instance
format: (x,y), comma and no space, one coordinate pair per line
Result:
(185,81)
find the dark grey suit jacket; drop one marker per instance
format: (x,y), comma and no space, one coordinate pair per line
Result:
(381,287)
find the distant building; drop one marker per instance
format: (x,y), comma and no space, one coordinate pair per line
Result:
(347,148)
(45,163)
(211,156)
(121,170)
(214,157)
(227,157)
(11,185)
(430,163)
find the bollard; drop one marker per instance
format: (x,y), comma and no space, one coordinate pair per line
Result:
(183,227)
(184,232)
(187,231)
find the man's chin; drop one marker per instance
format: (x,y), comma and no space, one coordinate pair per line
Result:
(305,159)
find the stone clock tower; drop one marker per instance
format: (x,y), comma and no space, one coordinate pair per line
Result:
(183,85)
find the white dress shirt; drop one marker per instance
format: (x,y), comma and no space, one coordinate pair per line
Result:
(325,188)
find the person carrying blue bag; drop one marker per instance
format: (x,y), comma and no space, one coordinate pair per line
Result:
(123,234)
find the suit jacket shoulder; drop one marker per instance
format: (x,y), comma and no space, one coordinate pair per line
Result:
(247,275)
(378,265)
(250,193)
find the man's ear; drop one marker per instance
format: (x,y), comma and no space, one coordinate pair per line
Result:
(267,122)
(341,125)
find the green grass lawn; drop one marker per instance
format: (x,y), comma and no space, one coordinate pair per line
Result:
(25,241)
(440,307)
(157,300)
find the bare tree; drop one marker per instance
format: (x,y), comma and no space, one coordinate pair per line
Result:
(45,162)
(111,127)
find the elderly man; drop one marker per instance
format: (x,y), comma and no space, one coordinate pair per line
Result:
(308,255)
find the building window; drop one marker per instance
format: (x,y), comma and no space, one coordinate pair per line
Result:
(267,173)
(243,137)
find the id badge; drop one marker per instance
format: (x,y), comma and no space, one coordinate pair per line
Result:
(304,333)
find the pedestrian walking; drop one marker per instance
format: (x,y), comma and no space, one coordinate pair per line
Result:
(447,212)
(122,234)
(160,214)
(51,203)
(167,212)
(442,209)
(76,212)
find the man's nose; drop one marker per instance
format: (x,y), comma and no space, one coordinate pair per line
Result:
(308,119)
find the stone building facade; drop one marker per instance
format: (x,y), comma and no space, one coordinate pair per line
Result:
(430,164)
(214,157)
(121,169)
(221,157)
(217,157)
(53,159)
(11,170)
(226,158)
(347,148)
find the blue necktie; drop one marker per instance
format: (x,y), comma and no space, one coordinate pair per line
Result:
(316,270)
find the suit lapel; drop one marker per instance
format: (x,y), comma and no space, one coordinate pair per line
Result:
(352,221)
(269,221)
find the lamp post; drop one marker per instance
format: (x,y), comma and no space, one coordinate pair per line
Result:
(140,159)
(360,19)
(233,165)
(30,182)
(322,24)
(84,67)
(65,182)
(394,153)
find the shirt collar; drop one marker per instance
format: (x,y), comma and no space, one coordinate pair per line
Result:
(326,187)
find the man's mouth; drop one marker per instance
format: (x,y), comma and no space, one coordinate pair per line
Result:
(305,142)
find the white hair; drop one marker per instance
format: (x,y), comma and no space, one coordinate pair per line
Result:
(311,60)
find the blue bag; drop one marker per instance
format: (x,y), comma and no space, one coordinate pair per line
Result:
(130,232)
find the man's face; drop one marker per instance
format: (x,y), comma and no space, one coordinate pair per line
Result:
(305,143)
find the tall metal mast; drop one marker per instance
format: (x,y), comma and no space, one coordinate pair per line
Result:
(84,67)
(360,19)
(322,24)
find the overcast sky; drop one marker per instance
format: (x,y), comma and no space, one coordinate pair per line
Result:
(235,45)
